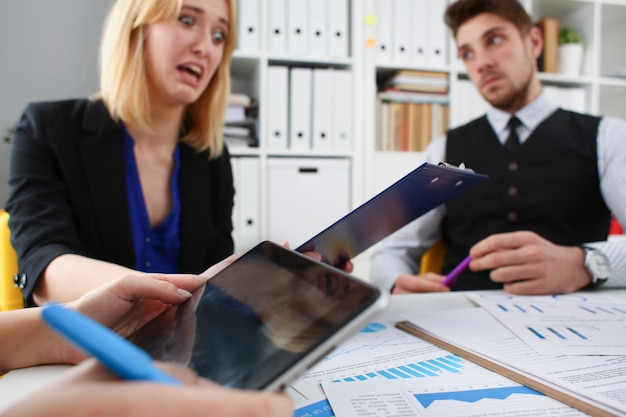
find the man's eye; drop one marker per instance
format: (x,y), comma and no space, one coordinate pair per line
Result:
(186,20)
(467,55)
(496,40)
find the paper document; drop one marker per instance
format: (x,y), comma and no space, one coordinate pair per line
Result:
(380,355)
(594,384)
(378,346)
(564,324)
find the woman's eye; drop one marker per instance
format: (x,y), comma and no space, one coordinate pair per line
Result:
(219,37)
(186,20)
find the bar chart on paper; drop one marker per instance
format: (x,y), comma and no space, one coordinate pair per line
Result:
(379,351)
(421,369)
(561,324)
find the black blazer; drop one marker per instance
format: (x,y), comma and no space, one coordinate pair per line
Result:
(68,193)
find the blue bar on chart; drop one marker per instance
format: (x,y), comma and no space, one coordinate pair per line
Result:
(577,333)
(536,333)
(557,334)
(422,369)
(605,310)
(520,308)
(536,308)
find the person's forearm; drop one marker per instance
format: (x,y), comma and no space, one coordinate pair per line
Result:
(70,276)
(28,341)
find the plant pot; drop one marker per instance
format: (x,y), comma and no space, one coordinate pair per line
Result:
(570,59)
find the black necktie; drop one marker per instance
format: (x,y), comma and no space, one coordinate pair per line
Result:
(512,142)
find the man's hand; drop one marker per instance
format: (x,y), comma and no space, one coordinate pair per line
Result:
(526,263)
(430,282)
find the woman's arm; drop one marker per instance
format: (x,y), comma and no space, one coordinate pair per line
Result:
(124,305)
(66,277)
(92,390)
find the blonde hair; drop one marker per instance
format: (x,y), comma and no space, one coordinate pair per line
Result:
(123,84)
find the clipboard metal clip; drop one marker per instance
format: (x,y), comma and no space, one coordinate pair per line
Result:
(461,166)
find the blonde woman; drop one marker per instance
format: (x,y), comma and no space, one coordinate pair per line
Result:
(136,178)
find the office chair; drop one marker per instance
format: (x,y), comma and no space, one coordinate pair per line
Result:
(10,296)
(432,260)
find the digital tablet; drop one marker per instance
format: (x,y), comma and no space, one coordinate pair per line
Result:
(264,319)
(412,196)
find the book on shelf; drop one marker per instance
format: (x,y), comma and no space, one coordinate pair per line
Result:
(240,121)
(410,126)
(416,80)
(413,97)
(241,100)
(549,58)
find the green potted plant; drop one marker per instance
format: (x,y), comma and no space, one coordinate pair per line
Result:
(9,133)
(571,49)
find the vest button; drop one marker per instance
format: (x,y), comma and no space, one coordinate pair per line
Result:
(512,216)
(513,166)
(512,191)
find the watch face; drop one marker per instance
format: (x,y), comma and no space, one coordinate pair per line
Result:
(598,265)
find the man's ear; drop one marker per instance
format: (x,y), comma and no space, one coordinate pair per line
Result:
(535,40)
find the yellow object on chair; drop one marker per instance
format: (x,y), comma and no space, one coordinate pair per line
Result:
(432,260)
(10,295)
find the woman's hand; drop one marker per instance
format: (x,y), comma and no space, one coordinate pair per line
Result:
(90,389)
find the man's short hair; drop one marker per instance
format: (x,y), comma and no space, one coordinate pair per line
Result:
(461,11)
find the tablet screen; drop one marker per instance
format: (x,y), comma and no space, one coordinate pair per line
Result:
(260,317)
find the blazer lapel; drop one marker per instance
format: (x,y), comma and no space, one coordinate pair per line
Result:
(103,158)
(195,210)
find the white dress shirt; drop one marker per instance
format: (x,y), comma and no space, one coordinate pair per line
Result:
(400,253)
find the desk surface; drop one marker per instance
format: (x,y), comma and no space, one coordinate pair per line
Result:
(21,383)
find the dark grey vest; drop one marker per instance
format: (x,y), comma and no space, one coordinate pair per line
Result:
(550,185)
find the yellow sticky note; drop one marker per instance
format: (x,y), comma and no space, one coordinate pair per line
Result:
(371,20)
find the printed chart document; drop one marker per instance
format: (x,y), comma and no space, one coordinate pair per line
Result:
(593,384)
(383,368)
(470,392)
(562,324)
(378,346)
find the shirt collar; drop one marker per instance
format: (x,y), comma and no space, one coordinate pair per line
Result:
(530,115)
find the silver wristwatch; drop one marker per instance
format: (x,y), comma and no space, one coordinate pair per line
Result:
(597,265)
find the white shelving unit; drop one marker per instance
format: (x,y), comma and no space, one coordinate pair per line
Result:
(249,73)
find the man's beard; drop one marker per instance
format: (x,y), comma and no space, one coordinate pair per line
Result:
(512,99)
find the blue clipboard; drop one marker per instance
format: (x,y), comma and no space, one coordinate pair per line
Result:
(412,196)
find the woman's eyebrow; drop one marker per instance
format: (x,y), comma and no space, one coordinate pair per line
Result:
(199,10)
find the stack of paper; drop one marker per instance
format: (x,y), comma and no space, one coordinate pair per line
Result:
(593,383)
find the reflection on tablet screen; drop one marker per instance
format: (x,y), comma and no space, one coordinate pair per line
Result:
(258,317)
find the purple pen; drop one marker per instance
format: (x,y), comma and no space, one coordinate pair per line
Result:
(453,275)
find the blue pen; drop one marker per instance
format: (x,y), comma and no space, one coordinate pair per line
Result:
(454,274)
(113,351)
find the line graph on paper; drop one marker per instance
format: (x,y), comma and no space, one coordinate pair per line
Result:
(488,400)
